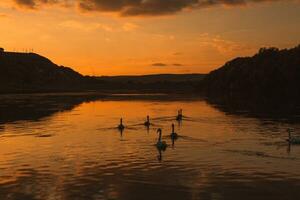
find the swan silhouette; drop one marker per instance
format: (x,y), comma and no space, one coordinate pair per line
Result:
(179,115)
(161,145)
(293,139)
(147,122)
(121,127)
(173,135)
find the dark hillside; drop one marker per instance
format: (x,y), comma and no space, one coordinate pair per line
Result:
(270,77)
(22,72)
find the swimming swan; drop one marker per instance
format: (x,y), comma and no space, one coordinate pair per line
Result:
(293,139)
(179,115)
(121,127)
(147,122)
(161,145)
(173,134)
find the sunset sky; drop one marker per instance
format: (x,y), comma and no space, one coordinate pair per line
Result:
(116,37)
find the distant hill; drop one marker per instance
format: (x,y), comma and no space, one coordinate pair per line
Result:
(270,77)
(25,72)
(167,83)
(154,78)
(29,72)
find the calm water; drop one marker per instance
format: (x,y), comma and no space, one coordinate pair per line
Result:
(60,148)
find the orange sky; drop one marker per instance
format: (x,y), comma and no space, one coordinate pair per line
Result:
(116,37)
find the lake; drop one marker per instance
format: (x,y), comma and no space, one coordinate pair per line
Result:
(66,148)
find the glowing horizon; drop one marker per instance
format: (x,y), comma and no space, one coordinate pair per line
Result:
(134,37)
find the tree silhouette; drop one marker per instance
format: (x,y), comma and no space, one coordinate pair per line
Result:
(270,77)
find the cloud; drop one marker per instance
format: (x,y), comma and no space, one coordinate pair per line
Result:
(129,27)
(138,7)
(165,65)
(223,46)
(85,26)
(91,26)
(177,65)
(159,65)
(26,3)
(152,7)
(177,54)
(32,4)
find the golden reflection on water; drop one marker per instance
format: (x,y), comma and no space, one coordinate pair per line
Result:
(79,154)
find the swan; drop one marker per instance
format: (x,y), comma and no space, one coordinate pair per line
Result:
(179,115)
(173,135)
(147,122)
(161,145)
(293,139)
(121,127)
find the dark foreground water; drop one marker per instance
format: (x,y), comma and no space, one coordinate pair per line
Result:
(67,148)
